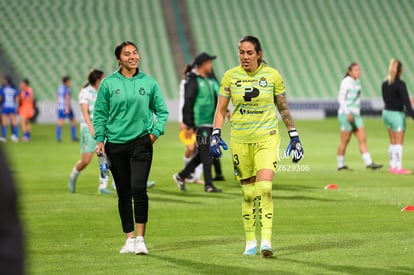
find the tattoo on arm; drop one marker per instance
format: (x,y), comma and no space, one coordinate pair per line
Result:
(284,111)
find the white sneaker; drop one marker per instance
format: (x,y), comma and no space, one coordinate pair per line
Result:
(140,247)
(129,246)
(2,139)
(14,138)
(251,248)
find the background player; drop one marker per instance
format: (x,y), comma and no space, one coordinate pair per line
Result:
(350,120)
(9,97)
(26,108)
(198,113)
(87,98)
(254,89)
(64,109)
(189,151)
(216,161)
(396,99)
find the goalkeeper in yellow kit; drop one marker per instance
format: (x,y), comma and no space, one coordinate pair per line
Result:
(254,90)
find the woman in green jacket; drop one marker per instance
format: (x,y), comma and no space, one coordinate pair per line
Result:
(125,130)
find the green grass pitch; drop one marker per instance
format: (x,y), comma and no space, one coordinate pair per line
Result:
(356,229)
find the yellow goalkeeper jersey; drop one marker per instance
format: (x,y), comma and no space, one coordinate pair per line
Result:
(254,116)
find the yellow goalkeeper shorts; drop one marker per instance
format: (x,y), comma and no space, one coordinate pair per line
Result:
(248,158)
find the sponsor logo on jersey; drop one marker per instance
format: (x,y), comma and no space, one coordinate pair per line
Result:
(251,112)
(240,81)
(250,93)
(117,91)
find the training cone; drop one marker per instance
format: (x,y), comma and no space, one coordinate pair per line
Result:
(331,186)
(408,208)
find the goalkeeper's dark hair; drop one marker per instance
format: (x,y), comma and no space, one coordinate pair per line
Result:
(93,77)
(350,67)
(257,46)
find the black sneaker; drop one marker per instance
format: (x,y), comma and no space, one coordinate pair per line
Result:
(219,178)
(345,168)
(211,189)
(374,166)
(180,182)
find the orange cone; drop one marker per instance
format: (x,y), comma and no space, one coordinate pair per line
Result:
(331,186)
(408,208)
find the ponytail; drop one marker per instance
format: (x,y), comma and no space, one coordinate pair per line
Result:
(394,70)
(187,69)
(93,77)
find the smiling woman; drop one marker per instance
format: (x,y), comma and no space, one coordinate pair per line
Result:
(127,101)
(254,89)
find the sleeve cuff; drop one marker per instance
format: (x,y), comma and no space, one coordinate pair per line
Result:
(156,132)
(99,138)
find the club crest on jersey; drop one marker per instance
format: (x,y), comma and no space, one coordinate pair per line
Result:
(263,82)
(141,91)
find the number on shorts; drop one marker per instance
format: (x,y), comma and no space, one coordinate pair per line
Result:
(236,159)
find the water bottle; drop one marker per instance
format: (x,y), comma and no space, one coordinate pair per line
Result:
(103,166)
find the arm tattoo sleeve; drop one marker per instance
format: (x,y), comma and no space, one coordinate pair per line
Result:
(284,111)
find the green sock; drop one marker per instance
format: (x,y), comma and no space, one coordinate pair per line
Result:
(266,209)
(249,211)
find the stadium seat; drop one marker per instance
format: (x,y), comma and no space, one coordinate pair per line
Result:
(311,42)
(48,39)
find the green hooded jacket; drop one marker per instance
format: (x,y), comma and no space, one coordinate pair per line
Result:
(125,108)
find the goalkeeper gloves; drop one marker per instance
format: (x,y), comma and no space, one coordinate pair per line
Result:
(215,143)
(294,146)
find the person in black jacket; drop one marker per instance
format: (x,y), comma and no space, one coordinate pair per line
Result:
(396,100)
(200,101)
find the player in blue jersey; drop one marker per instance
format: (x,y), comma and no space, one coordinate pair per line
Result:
(64,109)
(9,96)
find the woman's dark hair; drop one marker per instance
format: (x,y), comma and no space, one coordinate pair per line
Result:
(26,81)
(65,78)
(257,45)
(120,46)
(8,80)
(350,67)
(93,77)
(187,69)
